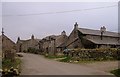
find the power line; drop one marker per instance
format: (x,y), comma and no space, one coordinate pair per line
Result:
(63,11)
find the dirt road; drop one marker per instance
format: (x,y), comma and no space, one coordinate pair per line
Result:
(38,65)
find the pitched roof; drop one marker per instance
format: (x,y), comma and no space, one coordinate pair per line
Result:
(38,40)
(59,39)
(7,43)
(48,37)
(104,41)
(4,36)
(97,32)
(22,41)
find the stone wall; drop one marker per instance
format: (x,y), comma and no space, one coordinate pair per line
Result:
(95,54)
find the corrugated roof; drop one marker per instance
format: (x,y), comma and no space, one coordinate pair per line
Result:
(97,32)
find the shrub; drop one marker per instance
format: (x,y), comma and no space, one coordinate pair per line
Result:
(116,72)
(66,59)
(33,50)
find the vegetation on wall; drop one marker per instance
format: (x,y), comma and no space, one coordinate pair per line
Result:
(85,55)
(95,54)
(116,72)
(11,68)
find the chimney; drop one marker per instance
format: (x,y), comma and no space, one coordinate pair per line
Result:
(76,26)
(32,37)
(2,31)
(18,39)
(63,33)
(103,29)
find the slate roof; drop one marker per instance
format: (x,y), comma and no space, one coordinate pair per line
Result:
(104,41)
(58,39)
(97,32)
(112,41)
(62,45)
(48,37)
(7,43)
(38,40)
(4,36)
(22,41)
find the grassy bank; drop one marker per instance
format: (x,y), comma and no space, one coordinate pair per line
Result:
(76,60)
(63,58)
(116,72)
(11,67)
(7,63)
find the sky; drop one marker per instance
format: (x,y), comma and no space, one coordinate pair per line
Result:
(60,0)
(22,19)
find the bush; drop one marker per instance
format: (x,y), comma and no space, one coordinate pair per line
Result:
(116,72)
(10,68)
(33,50)
(66,59)
(7,63)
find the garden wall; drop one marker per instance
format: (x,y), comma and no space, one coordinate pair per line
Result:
(95,54)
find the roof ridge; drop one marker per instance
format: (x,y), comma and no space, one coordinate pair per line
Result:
(7,38)
(96,30)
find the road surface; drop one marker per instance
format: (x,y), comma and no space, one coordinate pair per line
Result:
(38,65)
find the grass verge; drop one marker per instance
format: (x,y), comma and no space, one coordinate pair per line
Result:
(7,64)
(69,59)
(116,72)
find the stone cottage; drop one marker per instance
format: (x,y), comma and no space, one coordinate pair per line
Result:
(89,38)
(54,43)
(24,45)
(7,46)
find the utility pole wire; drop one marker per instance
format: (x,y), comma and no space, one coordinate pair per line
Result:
(62,11)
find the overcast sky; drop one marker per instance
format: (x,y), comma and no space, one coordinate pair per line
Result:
(26,18)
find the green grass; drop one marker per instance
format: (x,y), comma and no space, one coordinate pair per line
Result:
(7,64)
(50,57)
(116,72)
(63,58)
(66,59)
(73,60)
